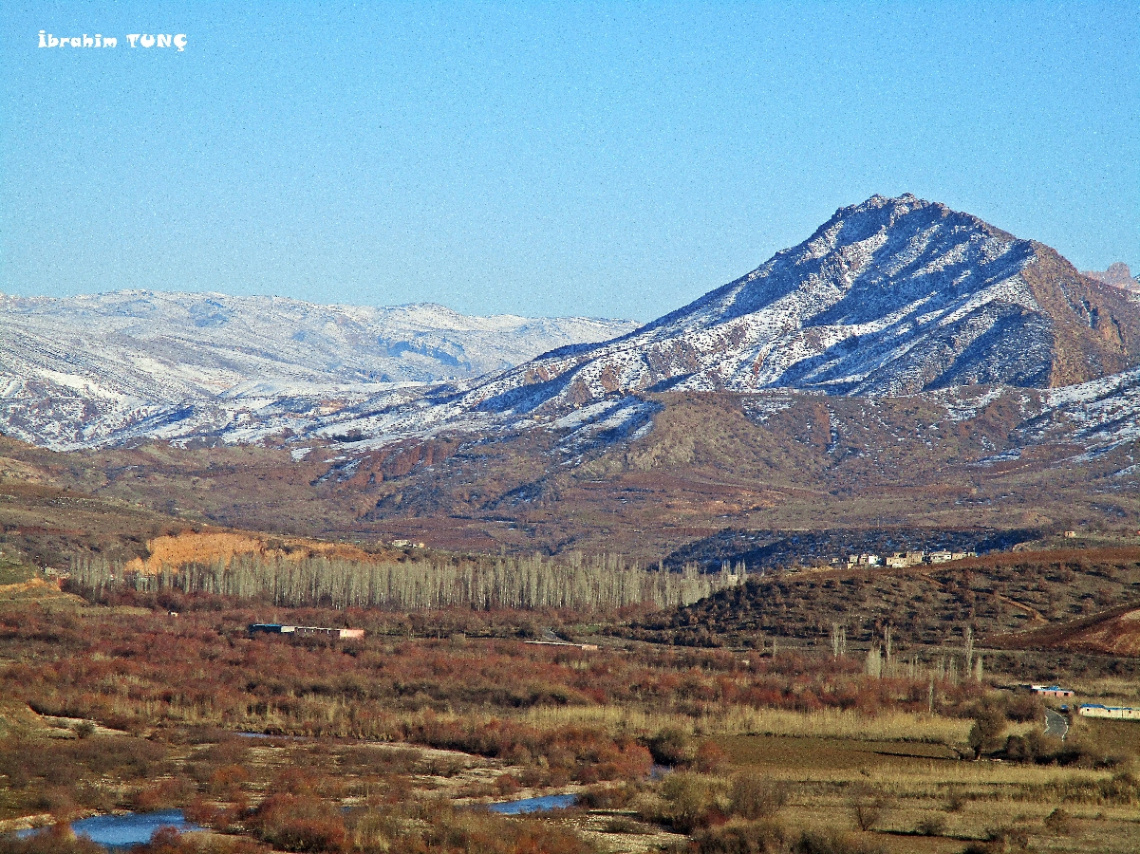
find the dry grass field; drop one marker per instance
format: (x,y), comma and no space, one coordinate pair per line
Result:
(123,706)
(934,802)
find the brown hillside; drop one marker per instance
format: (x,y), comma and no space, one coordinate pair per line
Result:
(1114,632)
(1118,635)
(206,547)
(51,509)
(712,462)
(1025,600)
(1096,328)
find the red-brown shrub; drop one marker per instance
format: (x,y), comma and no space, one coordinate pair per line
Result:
(299,823)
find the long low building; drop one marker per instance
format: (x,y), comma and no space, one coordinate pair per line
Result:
(1096,710)
(1048,690)
(304,631)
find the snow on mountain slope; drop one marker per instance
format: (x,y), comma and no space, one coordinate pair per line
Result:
(890,297)
(136,364)
(1097,415)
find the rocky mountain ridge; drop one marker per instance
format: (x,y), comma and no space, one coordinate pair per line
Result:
(889,297)
(1118,275)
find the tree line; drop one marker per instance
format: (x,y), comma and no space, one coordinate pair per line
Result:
(598,583)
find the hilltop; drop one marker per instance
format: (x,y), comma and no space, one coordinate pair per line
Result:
(890,297)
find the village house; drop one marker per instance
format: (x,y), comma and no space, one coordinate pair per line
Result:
(1096,710)
(901,560)
(585,647)
(305,631)
(1048,690)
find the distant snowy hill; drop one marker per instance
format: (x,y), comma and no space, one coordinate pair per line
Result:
(135,364)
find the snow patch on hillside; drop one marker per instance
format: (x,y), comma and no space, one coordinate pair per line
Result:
(108,368)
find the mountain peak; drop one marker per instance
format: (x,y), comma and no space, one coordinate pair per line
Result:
(891,205)
(1118,275)
(892,296)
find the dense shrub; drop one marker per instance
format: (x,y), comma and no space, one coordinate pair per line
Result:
(299,823)
(686,801)
(753,795)
(670,747)
(55,775)
(740,837)
(169,841)
(55,840)
(985,734)
(435,827)
(1059,822)
(1024,706)
(161,795)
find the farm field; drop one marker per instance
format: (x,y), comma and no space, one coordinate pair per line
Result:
(932,801)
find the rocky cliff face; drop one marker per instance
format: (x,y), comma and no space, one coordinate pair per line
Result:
(889,297)
(1118,275)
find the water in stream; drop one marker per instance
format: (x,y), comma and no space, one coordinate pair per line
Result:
(123,831)
(543,804)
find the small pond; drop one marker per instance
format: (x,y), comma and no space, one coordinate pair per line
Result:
(543,804)
(123,831)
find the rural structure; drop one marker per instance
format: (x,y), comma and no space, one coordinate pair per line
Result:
(1096,710)
(305,631)
(1048,690)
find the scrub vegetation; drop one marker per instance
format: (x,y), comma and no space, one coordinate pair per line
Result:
(142,696)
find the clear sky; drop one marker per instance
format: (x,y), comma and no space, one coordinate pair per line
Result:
(607,159)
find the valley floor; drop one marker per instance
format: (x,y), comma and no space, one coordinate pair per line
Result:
(382,744)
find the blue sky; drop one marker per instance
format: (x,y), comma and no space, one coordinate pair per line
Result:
(606,159)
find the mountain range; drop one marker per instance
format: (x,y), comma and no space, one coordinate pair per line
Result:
(96,370)
(889,298)
(907,367)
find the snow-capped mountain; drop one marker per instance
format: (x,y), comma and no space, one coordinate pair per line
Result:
(892,297)
(135,364)
(889,297)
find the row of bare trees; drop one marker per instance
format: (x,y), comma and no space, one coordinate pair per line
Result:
(600,583)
